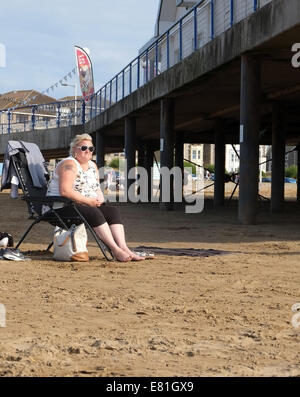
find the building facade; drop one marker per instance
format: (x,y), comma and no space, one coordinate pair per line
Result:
(232,158)
(15,115)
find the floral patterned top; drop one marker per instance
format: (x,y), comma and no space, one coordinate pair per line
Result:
(86,182)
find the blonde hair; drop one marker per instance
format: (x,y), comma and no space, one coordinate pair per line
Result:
(77,139)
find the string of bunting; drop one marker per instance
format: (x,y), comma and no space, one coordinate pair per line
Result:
(32,98)
(65,78)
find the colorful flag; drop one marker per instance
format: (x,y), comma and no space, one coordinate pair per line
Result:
(85,72)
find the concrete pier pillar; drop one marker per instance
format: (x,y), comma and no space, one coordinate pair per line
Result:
(166,153)
(130,148)
(278,160)
(219,191)
(208,154)
(249,138)
(141,155)
(100,153)
(148,164)
(140,161)
(179,143)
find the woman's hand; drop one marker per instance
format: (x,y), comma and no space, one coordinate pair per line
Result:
(94,201)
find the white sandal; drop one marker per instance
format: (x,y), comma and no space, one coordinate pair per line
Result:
(144,254)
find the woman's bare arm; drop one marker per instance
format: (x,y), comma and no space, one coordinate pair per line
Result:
(99,191)
(67,172)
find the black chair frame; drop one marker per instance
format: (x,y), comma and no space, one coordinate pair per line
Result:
(36,198)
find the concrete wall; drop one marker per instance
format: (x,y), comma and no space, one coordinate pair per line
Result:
(56,140)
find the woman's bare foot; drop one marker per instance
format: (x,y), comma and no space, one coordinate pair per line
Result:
(133,255)
(121,255)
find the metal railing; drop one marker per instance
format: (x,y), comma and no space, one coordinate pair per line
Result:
(206,20)
(44,116)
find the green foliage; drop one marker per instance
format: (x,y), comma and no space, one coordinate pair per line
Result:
(187,164)
(210,168)
(115,163)
(263,174)
(291,172)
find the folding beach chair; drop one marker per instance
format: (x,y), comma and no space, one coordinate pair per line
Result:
(35,198)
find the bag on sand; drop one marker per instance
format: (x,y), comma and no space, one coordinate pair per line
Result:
(6,240)
(70,245)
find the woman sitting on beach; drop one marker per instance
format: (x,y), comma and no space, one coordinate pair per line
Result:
(77,178)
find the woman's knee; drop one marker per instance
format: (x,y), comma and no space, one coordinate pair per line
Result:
(93,216)
(112,215)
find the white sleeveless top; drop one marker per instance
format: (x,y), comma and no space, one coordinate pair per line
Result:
(86,182)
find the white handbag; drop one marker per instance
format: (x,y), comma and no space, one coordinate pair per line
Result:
(70,245)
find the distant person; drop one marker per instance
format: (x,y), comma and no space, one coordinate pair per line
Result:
(207,174)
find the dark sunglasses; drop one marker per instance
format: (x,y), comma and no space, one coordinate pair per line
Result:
(84,148)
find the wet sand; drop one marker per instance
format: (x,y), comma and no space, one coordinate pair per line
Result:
(226,315)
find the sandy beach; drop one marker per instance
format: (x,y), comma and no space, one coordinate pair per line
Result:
(220,315)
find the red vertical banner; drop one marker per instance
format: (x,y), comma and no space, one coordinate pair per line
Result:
(85,72)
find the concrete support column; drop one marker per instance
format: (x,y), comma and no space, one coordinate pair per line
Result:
(207,154)
(278,160)
(179,142)
(179,156)
(100,152)
(148,164)
(219,166)
(141,155)
(130,147)
(140,161)
(166,152)
(249,138)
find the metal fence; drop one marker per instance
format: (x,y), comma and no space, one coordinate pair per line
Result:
(206,20)
(49,115)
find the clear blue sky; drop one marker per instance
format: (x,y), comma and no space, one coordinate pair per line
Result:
(39,38)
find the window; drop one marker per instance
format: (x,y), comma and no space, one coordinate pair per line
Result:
(21,118)
(194,156)
(199,154)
